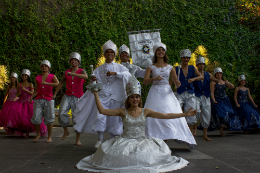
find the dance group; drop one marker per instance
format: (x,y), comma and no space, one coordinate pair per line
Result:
(113,104)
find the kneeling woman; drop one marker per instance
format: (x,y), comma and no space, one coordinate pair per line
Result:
(132,151)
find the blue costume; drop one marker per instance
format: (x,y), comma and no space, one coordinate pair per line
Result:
(202,93)
(248,114)
(185,93)
(222,111)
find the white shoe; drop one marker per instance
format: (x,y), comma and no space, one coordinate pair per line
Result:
(99,142)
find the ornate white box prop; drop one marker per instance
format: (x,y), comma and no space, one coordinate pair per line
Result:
(141,45)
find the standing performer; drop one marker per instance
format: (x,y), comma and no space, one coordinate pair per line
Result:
(202,93)
(74,78)
(185,93)
(161,99)
(124,53)
(113,76)
(222,112)
(247,111)
(26,107)
(44,103)
(133,152)
(9,116)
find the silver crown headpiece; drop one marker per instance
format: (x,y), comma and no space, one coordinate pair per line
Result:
(185,53)
(46,62)
(124,48)
(109,45)
(133,86)
(241,77)
(13,74)
(200,60)
(157,45)
(218,69)
(26,71)
(75,55)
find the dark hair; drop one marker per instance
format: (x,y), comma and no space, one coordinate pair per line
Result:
(240,84)
(165,58)
(128,105)
(29,79)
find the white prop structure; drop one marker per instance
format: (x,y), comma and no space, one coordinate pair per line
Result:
(141,45)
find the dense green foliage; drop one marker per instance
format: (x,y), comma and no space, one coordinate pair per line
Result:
(31,32)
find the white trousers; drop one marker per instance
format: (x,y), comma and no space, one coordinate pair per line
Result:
(203,110)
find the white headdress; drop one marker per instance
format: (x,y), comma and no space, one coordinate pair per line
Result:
(241,77)
(185,53)
(46,62)
(218,69)
(124,48)
(92,72)
(14,75)
(133,86)
(200,60)
(75,55)
(26,71)
(109,45)
(157,45)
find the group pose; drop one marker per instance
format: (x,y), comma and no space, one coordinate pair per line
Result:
(113,104)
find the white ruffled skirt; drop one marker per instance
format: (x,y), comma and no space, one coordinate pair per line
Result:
(123,155)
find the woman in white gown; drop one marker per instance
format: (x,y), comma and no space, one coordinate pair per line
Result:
(133,152)
(161,99)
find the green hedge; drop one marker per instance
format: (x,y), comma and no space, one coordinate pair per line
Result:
(35,30)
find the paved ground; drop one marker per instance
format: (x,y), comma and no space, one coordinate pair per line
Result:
(232,154)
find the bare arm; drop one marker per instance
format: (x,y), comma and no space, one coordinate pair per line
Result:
(229,85)
(35,92)
(59,86)
(250,98)
(83,74)
(29,91)
(54,83)
(108,112)
(198,78)
(235,97)
(147,80)
(213,78)
(174,78)
(158,115)
(212,89)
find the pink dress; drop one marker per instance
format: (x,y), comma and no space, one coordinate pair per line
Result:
(26,113)
(9,116)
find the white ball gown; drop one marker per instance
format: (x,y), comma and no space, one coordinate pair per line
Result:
(132,152)
(161,99)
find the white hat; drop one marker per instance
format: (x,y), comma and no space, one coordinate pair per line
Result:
(133,86)
(218,69)
(46,62)
(185,53)
(26,71)
(109,45)
(241,77)
(75,55)
(124,48)
(157,45)
(200,60)
(14,75)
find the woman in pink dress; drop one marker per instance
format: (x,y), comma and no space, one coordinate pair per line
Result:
(9,117)
(26,107)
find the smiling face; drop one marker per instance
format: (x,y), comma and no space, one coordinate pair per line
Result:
(160,52)
(124,57)
(185,60)
(242,82)
(74,62)
(109,55)
(45,68)
(219,75)
(24,77)
(200,66)
(134,100)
